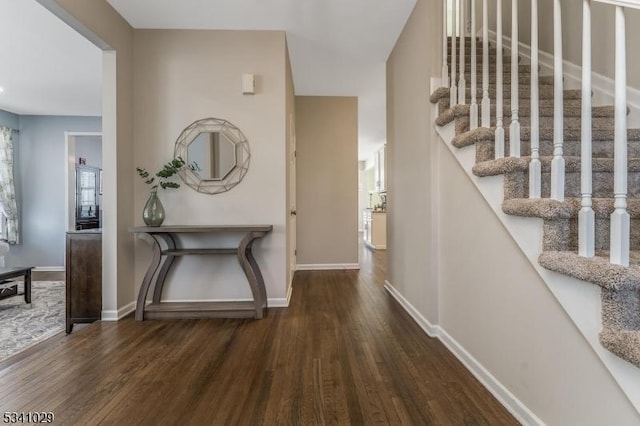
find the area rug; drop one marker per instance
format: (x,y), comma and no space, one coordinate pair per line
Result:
(22,325)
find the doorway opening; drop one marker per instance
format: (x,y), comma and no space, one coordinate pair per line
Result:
(84,180)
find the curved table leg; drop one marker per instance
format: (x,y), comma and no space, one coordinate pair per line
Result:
(165,265)
(148,276)
(252,271)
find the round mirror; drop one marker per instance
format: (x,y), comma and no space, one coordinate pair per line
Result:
(217,155)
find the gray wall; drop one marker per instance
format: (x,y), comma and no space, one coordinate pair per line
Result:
(40,187)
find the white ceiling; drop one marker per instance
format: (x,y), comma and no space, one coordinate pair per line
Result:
(47,67)
(337,47)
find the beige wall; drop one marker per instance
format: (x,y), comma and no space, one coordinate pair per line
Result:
(498,308)
(475,283)
(327,179)
(603,27)
(97,19)
(409,150)
(179,77)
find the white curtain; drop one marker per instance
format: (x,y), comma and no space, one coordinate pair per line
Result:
(8,205)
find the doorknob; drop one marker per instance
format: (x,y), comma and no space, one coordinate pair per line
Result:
(294,213)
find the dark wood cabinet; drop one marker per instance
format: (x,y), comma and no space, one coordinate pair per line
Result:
(83,277)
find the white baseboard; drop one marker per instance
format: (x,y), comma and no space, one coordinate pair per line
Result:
(279,302)
(374,246)
(327,266)
(49,269)
(289,293)
(493,385)
(430,329)
(120,313)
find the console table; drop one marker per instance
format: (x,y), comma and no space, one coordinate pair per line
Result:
(165,250)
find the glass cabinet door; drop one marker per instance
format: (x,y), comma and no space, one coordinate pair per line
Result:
(87,201)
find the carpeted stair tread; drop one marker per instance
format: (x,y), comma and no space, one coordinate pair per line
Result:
(544,111)
(479,63)
(620,285)
(546,92)
(473,137)
(623,343)
(572,165)
(595,269)
(506,67)
(493,57)
(546,208)
(482,134)
(501,166)
(601,116)
(467,39)
(479,50)
(524,79)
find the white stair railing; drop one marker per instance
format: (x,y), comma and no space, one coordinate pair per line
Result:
(557,164)
(620,221)
(514,127)
(473,111)
(620,218)
(586,217)
(462,82)
(445,46)
(486,102)
(499,139)
(535,167)
(453,91)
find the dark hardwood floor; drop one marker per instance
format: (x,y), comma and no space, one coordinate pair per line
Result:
(344,352)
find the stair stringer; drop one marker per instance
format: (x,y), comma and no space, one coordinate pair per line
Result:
(581,300)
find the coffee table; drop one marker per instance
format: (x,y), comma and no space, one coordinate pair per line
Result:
(17,271)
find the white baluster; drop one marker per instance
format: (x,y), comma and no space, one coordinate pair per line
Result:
(473,111)
(462,83)
(557,164)
(445,47)
(620,227)
(499,142)
(486,102)
(453,91)
(514,127)
(535,167)
(586,217)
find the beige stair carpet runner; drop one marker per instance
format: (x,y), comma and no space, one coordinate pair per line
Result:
(620,286)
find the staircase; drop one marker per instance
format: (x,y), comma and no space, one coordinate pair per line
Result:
(620,284)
